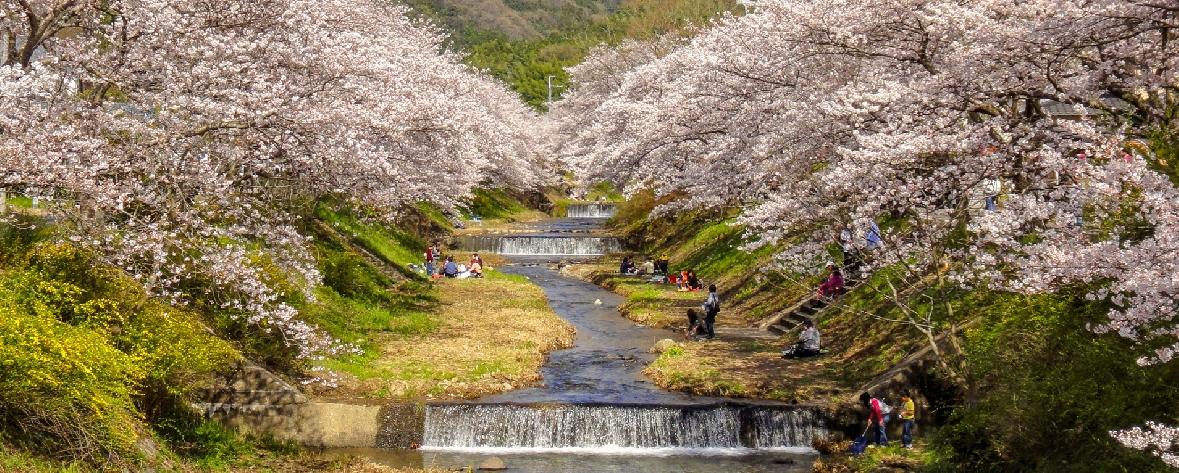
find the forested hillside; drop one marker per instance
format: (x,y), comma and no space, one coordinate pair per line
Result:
(514,19)
(523,42)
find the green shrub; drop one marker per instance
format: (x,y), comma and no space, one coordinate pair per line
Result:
(1050,390)
(87,355)
(66,392)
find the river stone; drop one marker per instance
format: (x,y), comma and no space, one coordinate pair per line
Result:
(493,464)
(663,345)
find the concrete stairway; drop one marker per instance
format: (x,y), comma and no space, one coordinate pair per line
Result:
(254,400)
(808,309)
(249,385)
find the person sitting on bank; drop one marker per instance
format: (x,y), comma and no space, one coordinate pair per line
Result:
(682,282)
(808,342)
(695,325)
(694,283)
(450,269)
(476,269)
(834,283)
(648,267)
(625,266)
(475,258)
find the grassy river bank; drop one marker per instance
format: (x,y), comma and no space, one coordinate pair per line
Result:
(414,340)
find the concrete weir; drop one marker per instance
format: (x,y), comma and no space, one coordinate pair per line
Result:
(722,427)
(254,400)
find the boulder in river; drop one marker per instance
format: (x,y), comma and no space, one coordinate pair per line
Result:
(663,345)
(493,464)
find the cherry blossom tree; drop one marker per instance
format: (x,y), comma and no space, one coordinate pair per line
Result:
(816,115)
(177,137)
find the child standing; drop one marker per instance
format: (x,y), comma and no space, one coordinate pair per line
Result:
(908,416)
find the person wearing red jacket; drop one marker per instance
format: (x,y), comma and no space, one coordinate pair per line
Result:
(876,419)
(834,283)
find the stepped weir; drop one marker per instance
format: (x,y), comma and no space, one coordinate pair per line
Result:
(541,245)
(619,428)
(590,210)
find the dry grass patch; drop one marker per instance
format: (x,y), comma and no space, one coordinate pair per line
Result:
(491,336)
(743,368)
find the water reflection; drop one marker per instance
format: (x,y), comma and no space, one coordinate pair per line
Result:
(652,461)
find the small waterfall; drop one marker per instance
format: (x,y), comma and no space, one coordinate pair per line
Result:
(541,245)
(590,210)
(505,426)
(773,428)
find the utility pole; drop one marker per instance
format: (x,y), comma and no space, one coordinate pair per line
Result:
(549,79)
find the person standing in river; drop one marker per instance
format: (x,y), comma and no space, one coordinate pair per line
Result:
(711,308)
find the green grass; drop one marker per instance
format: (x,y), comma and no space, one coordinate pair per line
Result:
(489,204)
(435,217)
(354,320)
(18,461)
(892,456)
(480,336)
(715,252)
(396,247)
(17,200)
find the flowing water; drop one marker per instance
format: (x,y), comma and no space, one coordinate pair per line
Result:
(703,428)
(590,210)
(595,410)
(541,245)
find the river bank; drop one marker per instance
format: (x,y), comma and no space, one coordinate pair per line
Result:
(741,362)
(482,336)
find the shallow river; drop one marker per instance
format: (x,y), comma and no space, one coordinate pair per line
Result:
(597,412)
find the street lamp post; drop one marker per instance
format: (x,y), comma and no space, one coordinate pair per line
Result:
(549,80)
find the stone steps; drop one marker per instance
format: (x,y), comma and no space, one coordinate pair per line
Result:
(250,385)
(809,309)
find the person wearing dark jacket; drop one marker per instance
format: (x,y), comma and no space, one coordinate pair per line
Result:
(695,325)
(662,264)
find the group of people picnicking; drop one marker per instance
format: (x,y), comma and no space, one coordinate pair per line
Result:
(685,280)
(438,267)
(702,322)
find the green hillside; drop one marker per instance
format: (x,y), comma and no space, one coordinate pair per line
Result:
(522,42)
